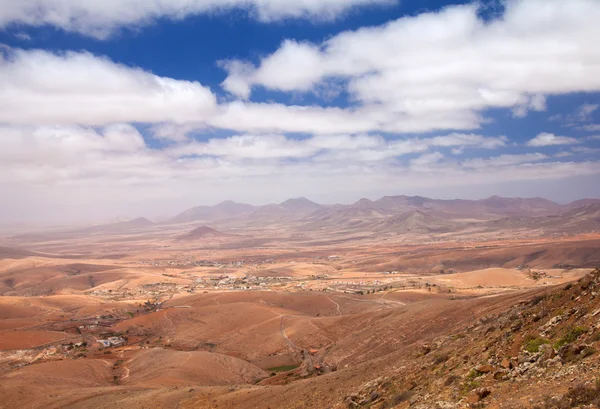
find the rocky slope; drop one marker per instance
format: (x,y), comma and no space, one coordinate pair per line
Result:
(540,354)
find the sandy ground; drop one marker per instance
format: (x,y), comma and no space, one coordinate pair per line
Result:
(339,310)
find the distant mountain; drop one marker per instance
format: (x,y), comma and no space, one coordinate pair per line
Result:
(582,202)
(365,210)
(203,232)
(580,220)
(518,206)
(224,210)
(301,205)
(290,210)
(118,227)
(417,221)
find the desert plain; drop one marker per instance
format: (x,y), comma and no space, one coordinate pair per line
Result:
(289,305)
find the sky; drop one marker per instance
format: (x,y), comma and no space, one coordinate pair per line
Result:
(120,109)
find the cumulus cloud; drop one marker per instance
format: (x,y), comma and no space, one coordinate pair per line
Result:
(328,147)
(256,117)
(101,18)
(40,87)
(444,65)
(549,139)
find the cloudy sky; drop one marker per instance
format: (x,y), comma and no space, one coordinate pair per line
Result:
(145,108)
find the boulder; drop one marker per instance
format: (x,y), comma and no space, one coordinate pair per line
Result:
(506,363)
(484,368)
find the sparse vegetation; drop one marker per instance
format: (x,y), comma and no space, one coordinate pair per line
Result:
(577,396)
(570,336)
(283,368)
(533,344)
(440,357)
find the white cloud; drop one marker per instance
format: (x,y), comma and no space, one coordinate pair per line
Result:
(503,160)
(582,114)
(549,139)
(425,162)
(39,87)
(270,117)
(534,103)
(431,72)
(41,166)
(23,36)
(449,66)
(563,154)
(463,140)
(585,111)
(174,132)
(102,18)
(585,150)
(590,128)
(328,147)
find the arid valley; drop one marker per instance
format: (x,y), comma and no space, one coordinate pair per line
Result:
(298,305)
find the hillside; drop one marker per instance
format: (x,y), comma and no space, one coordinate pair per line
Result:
(449,215)
(223,210)
(541,353)
(203,232)
(578,220)
(118,227)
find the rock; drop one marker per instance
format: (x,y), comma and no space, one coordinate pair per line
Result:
(425,348)
(499,375)
(551,323)
(478,395)
(445,405)
(564,351)
(506,364)
(484,368)
(374,396)
(556,361)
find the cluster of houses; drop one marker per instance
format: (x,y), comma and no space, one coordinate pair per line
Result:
(112,342)
(204,263)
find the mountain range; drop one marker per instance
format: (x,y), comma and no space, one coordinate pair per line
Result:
(388,215)
(301,208)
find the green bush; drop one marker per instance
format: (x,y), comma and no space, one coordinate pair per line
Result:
(571,336)
(533,345)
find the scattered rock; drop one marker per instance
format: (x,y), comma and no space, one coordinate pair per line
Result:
(506,363)
(484,368)
(374,396)
(478,395)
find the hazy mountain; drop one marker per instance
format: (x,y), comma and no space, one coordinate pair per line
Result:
(203,232)
(301,205)
(223,210)
(354,214)
(582,219)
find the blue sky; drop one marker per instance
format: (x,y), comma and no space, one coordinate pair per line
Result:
(166,105)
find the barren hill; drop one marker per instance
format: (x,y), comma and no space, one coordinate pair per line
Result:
(223,210)
(118,227)
(417,221)
(578,220)
(301,205)
(307,211)
(203,232)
